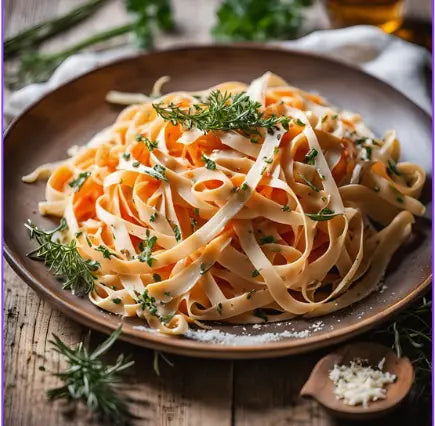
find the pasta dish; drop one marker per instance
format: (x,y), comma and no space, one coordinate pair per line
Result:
(238,203)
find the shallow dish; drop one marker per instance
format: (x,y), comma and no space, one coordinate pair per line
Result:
(75,111)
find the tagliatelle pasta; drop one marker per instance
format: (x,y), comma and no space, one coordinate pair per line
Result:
(191,225)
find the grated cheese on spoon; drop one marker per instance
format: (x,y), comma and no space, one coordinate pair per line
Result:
(359,384)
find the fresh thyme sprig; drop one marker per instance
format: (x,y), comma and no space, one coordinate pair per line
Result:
(89,380)
(221,111)
(63,260)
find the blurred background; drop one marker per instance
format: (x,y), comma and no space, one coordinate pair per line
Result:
(40,34)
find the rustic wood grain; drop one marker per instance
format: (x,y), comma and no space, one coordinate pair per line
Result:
(194,392)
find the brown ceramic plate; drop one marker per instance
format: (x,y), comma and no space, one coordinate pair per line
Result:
(72,113)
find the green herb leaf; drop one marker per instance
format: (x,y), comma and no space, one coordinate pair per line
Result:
(260,314)
(219,308)
(209,164)
(157,278)
(310,158)
(146,248)
(105,251)
(157,172)
(392,169)
(79,181)
(203,268)
(323,215)
(267,239)
(314,188)
(251,293)
(177,233)
(255,273)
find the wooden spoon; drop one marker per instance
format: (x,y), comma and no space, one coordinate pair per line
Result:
(321,387)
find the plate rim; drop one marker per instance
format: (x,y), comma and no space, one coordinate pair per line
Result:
(193,347)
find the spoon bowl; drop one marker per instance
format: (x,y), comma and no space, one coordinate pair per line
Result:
(320,387)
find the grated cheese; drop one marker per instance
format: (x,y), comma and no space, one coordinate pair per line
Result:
(358,384)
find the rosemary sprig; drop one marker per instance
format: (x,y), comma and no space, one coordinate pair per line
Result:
(63,260)
(89,380)
(36,34)
(220,111)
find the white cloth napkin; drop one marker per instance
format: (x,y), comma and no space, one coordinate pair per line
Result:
(399,63)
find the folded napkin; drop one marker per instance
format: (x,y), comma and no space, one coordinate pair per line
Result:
(399,63)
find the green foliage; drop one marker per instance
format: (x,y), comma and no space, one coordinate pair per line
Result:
(259,20)
(91,381)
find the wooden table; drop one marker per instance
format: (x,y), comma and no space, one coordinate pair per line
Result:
(194,392)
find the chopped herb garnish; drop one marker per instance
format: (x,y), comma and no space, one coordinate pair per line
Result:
(360,141)
(157,277)
(267,239)
(177,232)
(88,240)
(203,268)
(314,188)
(250,293)
(166,318)
(268,160)
(285,208)
(63,260)
(310,158)
(234,189)
(220,111)
(334,117)
(146,248)
(260,314)
(193,223)
(153,217)
(244,186)
(126,155)
(117,301)
(136,164)
(323,215)
(79,181)
(299,122)
(167,294)
(253,140)
(399,199)
(392,169)
(149,144)
(263,170)
(209,164)
(255,273)
(366,153)
(196,210)
(219,308)
(157,172)
(78,234)
(105,251)
(276,150)
(325,117)
(148,303)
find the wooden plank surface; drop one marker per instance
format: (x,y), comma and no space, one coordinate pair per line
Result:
(194,392)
